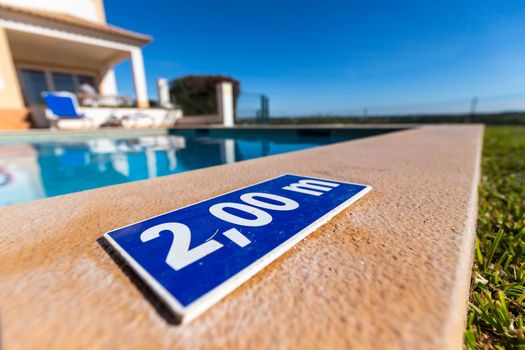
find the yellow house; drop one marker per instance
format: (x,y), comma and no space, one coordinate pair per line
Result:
(58,45)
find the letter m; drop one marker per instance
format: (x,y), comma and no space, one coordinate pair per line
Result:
(311,187)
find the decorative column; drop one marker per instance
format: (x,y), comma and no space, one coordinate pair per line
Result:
(229,151)
(225,103)
(164,93)
(108,85)
(139,78)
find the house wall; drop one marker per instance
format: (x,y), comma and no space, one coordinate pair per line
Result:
(101,12)
(14,119)
(10,94)
(91,10)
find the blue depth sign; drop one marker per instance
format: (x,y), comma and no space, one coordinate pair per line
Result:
(194,256)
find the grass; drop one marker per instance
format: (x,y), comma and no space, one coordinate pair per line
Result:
(497,300)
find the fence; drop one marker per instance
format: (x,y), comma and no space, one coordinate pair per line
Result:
(460,107)
(465,106)
(253,106)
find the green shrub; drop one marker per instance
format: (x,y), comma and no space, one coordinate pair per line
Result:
(196,94)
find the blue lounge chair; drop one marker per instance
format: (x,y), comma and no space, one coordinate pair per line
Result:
(63,105)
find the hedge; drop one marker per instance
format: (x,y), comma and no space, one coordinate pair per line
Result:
(196,94)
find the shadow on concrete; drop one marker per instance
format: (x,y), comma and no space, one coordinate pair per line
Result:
(159,306)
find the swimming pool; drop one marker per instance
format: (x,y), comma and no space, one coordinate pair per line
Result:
(39,169)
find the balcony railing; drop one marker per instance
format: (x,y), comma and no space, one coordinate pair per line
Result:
(88,100)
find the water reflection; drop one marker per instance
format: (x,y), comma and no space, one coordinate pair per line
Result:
(38,170)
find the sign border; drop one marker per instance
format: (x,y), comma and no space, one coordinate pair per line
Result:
(197,307)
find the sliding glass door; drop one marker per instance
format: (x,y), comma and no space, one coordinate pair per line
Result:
(36,81)
(63,82)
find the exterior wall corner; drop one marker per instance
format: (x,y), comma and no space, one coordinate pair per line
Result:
(10,92)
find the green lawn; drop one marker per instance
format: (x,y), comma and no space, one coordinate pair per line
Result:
(497,299)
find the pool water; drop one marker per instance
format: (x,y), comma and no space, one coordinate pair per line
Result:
(31,171)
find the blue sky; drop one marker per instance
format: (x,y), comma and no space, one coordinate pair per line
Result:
(330,56)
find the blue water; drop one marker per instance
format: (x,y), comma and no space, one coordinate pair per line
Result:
(38,170)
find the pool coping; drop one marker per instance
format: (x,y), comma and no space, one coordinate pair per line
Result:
(404,251)
(42,135)
(47,135)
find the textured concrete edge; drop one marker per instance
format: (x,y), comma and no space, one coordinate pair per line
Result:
(457,320)
(453,315)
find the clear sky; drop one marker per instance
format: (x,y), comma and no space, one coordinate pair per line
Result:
(331,56)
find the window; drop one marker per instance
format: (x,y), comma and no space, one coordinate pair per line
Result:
(34,83)
(87,79)
(86,84)
(63,82)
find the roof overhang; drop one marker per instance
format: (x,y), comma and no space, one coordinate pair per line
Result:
(67,23)
(30,49)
